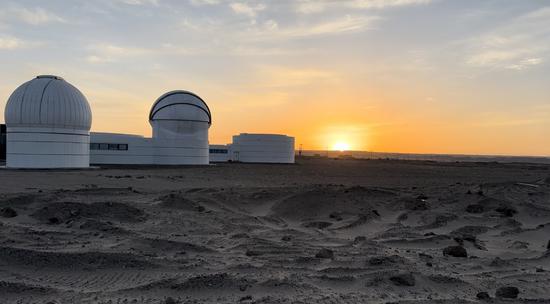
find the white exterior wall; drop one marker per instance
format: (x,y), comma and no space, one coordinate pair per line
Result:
(146,151)
(140,150)
(219,157)
(262,148)
(47,148)
(180,151)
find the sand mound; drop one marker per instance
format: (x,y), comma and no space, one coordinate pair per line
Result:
(214,281)
(179,202)
(320,202)
(60,260)
(21,288)
(54,213)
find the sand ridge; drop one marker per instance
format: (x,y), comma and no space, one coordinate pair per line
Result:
(322,231)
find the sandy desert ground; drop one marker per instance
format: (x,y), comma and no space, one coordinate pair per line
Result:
(320,231)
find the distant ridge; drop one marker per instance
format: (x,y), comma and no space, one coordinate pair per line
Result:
(429,157)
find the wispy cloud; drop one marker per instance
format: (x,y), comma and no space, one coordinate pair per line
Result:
(247,9)
(105,52)
(386,3)
(317,6)
(33,16)
(10,43)
(140,2)
(523,43)
(270,30)
(204,2)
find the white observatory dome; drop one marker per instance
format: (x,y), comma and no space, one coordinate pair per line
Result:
(180,121)
(48,122)
(179,113)
(49,102)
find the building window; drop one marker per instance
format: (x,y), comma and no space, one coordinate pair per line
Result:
(111,147)
(218,151)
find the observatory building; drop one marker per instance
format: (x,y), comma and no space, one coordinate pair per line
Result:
(180,122)
(255,148)
(48,125)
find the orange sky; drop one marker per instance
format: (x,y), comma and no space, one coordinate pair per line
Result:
(417,76)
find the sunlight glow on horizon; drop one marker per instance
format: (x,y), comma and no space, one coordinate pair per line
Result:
(341,146)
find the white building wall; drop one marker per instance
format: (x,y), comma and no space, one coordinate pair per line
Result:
(146,151)
(188,151)
(47,148)
(262,148)
(219,153)
(140,150)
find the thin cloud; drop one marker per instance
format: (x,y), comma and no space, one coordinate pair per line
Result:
(523,43)
(10,43)
(35,16)
(246,9)
(204,2)
(316,6)
(141,2)
(348,24)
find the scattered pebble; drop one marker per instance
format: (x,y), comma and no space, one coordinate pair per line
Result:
(170,300)
(325,254)
(474,208)
(8,212)
(508,292)
(455,251)
(286,238)
(483,296)
(403,279)
(506,211)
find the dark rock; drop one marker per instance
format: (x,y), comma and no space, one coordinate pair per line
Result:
(404,279)
(429,264)
(325,254)
(474,208)
(54,220)
(506,211)
(483,296)
(286,238)
(508,292)
(170,300)
(200,209)
(317,225)
(455,251)
(386,260)
(336,216)
(548,245)
(359,239)
(416,205)
(498,262)
(376,212)
(540,269)
(252,253)
(246,298)
(8,212)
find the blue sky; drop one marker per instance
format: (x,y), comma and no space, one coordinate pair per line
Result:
(444,76)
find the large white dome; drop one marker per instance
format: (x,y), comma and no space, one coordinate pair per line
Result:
(48,102)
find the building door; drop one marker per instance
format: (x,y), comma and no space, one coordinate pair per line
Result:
(2,142)
(236,156)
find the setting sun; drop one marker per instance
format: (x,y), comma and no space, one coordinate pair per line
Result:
(341,146)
